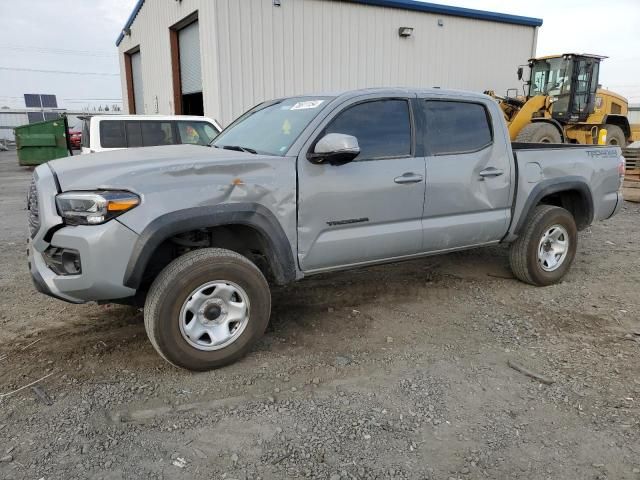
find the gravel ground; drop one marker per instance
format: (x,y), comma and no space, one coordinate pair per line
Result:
(397,371)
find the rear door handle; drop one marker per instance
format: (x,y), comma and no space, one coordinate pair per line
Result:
(491,172)
(409,177)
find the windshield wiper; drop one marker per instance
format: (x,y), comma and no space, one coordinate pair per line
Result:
(237,148)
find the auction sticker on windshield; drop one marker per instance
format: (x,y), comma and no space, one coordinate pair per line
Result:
(306,105)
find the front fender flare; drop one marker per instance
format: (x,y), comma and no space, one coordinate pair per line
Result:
(280,256)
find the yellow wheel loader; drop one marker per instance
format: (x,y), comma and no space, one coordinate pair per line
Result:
(562,103)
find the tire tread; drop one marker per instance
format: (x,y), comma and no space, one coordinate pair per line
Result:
(527,134)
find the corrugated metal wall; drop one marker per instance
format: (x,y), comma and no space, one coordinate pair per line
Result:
(9,120)
(150,31)
(252,50)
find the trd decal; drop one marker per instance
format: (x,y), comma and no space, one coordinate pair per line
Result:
(333,223)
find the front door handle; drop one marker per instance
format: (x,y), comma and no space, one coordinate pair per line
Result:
(491,172)
(409,177)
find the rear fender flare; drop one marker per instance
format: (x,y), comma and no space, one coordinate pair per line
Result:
(551,186)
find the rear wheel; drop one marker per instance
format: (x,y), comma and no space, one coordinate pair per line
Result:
(539,132)
(544,251)
(207,308)
(615,136)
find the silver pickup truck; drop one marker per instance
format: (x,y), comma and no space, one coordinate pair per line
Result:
(299,186)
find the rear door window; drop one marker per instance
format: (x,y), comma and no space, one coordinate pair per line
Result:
(157,133)
(457,127)
(112,134)
(196,133)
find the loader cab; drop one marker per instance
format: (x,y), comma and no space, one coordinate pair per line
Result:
(570,81)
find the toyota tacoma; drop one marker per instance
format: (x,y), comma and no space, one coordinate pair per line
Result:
(299,186)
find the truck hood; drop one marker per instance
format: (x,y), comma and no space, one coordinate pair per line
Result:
(135,168)
(180,177)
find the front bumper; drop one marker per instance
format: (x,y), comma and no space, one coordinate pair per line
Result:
(104,252)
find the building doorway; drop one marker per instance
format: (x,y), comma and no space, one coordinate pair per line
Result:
(133,74)
(187,67)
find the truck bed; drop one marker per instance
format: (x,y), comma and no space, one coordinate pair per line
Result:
(544,168)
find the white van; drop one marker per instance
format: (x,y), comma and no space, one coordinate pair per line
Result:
(101,133)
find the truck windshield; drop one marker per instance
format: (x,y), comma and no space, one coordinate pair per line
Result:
(271,127)
(550,76)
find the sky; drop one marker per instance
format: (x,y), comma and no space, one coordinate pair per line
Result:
(79,36)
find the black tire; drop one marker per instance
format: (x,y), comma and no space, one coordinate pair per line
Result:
(539,132)
(615,136)
(523,255)
(173,286)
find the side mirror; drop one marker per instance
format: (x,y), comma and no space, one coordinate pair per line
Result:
(335,148)
(520,73)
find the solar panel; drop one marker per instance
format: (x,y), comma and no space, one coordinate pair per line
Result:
(32,100)
(49,101)
(51,115)
(40,100)
(35,117)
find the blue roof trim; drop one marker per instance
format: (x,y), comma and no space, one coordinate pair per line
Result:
(130,20)
(455,11)
(406,5)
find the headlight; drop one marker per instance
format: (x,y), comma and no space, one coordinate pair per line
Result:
(93,208)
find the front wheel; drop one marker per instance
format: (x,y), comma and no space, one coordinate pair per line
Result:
(207,308)
(544,251)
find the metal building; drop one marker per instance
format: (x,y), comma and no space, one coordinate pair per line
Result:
(221,57)
(634,113)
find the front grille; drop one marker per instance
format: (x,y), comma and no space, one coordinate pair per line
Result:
(32,206)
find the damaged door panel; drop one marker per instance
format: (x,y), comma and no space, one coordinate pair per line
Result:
(469,175)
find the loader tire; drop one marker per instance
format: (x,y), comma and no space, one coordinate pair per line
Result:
(615,136)
(544,251)
(539,132)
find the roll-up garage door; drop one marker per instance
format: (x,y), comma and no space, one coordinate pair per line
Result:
(190,69)
(136,74)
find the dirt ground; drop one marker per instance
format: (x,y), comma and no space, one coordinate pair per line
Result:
(397,371)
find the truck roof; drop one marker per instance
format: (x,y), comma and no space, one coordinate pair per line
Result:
(344,94)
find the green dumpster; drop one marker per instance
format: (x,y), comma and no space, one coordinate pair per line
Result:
(40,142)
